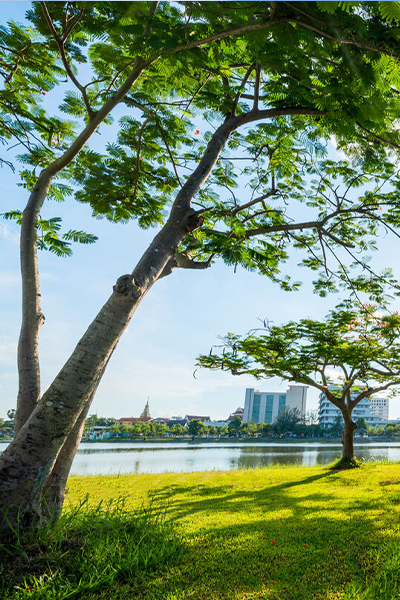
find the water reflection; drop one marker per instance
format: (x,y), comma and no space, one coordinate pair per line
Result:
(152,457)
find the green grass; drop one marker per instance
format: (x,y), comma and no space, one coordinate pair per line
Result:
(90,550)
(287,533)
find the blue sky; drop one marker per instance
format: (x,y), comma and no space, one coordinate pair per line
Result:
(181,317)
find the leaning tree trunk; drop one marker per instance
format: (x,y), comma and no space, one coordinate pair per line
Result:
(27,464)
(41,444)
(348,436)
(54,490)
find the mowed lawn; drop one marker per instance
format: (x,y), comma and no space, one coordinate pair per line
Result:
(276,533)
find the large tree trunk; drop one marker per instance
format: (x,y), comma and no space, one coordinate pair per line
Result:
(41,446)
(54,490)
(28,462)
(348,436)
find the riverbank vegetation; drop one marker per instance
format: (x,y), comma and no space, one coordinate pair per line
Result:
(277,533)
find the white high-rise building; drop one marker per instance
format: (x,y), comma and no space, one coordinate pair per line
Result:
(264,407)
(328,412)
(380,407)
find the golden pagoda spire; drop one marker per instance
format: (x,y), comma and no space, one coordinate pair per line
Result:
(146,411)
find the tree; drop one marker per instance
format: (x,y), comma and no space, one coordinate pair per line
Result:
(178,430)
(336,429)
(392,429)
(94,420)
(115,429)
(249,429)
(272,77)
(196,428)
(286,420)
(223,431)
(364,344)
(11,414)
(361,423)
(211,430)
(127,430)
(265,429)
(158,429)
(234,426)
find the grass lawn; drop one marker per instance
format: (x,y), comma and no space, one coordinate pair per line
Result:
(289,533)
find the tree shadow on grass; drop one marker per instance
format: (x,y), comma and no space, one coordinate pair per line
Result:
(294,540)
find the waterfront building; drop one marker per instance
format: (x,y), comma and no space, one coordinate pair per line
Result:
(99,432)
(264,407)
(177,421)
(216,423)
(380,408)
(238,413)
(197,417)
(328,412)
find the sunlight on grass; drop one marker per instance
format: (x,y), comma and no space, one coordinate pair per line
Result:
(276,534)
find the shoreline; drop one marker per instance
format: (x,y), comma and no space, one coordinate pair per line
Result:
(196,441)
(284,441)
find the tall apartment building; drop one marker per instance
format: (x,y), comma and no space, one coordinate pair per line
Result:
(328,412)
(380,408)
(264,407)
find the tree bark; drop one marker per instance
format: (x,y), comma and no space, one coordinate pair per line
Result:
(32,317)
(54,490)
(27,463)
(348,436)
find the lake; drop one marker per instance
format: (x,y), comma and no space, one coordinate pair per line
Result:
(138,457)
(106,458)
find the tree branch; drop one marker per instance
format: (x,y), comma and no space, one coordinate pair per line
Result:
(60,43)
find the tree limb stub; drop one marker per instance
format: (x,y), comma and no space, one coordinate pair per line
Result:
(127,286)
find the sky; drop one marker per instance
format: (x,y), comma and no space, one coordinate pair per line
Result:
(181,317)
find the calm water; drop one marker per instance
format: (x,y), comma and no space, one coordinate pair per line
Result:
(137,457)
(107,458)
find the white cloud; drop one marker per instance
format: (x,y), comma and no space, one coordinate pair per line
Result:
(9,232)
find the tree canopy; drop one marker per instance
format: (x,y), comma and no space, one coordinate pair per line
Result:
(274,79)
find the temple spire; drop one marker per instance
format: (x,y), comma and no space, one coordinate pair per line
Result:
(146,411)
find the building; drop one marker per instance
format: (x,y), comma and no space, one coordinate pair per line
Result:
(328,412)
(144,417)
(177,421)
(146,411)
(161,420)
(197,417)
(238,413)
(132,420)
(99,432)
(380,408)
(264,407)
(216,423)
